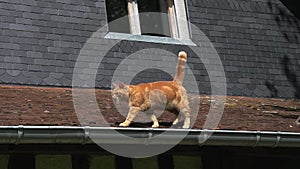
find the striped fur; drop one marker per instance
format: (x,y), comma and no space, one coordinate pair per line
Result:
(169,94)
(179,75)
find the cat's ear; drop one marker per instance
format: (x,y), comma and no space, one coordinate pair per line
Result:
(122,85)
(114,85)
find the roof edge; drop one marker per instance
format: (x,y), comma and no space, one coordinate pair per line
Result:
(107,135)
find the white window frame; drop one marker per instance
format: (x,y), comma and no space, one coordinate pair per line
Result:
(182,19)
(178,21)
(134,20)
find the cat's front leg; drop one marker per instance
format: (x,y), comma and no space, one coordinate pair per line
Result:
(155,121)
(133,111)
(177,119)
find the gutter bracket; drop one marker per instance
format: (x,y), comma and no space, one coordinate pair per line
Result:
(278,139)
(203,137)
(150,136)
(258,138)
(86,134)
(20,134)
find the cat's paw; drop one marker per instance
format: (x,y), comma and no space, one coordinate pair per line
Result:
(175,121)
(155,125)
(123,124)
(186,126)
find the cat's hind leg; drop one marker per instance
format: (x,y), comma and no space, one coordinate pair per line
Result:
(185,112)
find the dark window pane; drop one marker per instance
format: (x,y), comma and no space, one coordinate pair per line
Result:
(80,161)
(123,162)
(149,163)
(18,161)
(3,161)
(190,162)
(117,16)
(166,161)
(103,162)
(53,162)
(154,17)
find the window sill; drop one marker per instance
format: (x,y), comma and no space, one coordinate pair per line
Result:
(152,39)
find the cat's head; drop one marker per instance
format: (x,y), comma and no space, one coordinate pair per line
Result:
(120,92)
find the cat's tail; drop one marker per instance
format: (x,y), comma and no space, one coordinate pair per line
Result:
(179,76)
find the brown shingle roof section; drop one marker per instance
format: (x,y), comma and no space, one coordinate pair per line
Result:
(25,105)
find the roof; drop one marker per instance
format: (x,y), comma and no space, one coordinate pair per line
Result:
(257,41)
(50,106)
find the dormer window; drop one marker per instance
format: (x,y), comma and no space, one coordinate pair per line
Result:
(162,18)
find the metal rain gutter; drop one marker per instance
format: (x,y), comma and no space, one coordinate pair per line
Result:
(107,135)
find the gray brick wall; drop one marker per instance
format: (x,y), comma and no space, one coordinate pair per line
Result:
(257,41)
(40,40)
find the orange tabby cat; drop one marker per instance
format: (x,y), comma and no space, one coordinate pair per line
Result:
(170,94)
